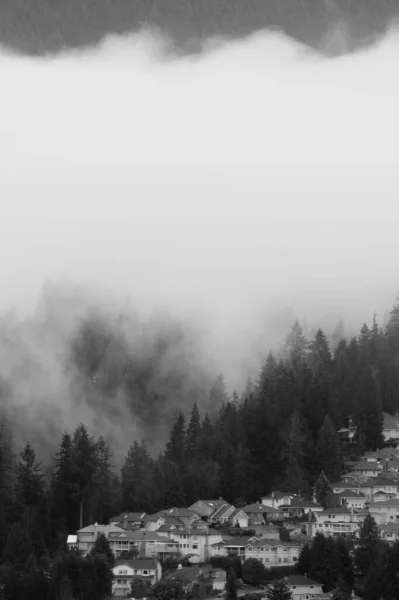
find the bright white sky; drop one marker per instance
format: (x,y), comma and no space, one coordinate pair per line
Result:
(255,175)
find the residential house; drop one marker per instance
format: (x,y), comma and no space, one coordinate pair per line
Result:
(234,546)
(239,516)
(338,522)
(72,542)
(205,508)
(154,522)
(303,588)
(261,514)
(301,508)
(148,544)
(375,457)
(125,571)
(351,499)
(393,465)
(384,512)
(222,514)
(87,536)
(129,520)
(389,532)
(390,429)
(277,499)
(366,468)
(390,452)
(186,515)
(196,542)
(382,496)
(189,576)
(273,553)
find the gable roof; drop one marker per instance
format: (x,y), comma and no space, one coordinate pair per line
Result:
(261,509)
(180,512)
(305,504)
(366,466)
(240,541)
(336,511)
(350,494)
(278,495)
(135,517)
(237,511)
(138,536)
(137,563)
(385,503)
(390,422)
(219,512)
(299,580)
(101,529)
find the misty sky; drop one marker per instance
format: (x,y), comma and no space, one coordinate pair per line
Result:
(255,176)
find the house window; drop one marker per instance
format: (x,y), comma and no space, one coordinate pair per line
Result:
(146,573)
(285,560)
(195,546)
(311,587)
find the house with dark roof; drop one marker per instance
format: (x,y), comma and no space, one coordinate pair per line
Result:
(205,508)
(147,570)
(260,514)
(148,544)
(304,588)
(277,499)
(273,553)
(389,532)
(366,468)
(301,508)
(186,515)
(222,514)
(132,520)
(384,512)
(351,499)
(154,522)
(190,576)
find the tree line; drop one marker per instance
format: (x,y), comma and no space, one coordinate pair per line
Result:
(281,433)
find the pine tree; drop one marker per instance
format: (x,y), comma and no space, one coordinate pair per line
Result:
(103,488)
(328,450)
(367,547)
(29,485)
(193,432)
(64,488)
(368,412)
(322,489)
(137,479)
(176,446)
(296,347)
(218,393)
(85,464)
(320,357)
(231,588)
(280,591)
(101,546)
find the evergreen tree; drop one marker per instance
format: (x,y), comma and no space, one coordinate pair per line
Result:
(322,489)
(29,485)
(280,591)
(296,347)
(367,547)
(328,450)
(137,479)
(101,546)
(104,490)
(85,464)
(193,432)
(218,393)
(368,412)
(231,588)
(176,446)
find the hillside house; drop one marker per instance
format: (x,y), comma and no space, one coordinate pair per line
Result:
(239,516)
(338,522)
(222,514)
(389,532)
(383,496)
(128,520)
(186,515)
(277,499)
(301,508)
(196,542)
(87,536)
(351,499)
(72,542)
(390,452)
(261,514)
(366,468)
(390,429)
(147,544)
(234,546)
(205,508)
(273,553)
(384,512)
(303,588)
(189,576)
(125,571)
(154,522)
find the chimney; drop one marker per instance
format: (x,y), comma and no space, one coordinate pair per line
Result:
(125,522)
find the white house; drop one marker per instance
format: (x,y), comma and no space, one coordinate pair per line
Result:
(273,553)
(87,536)
(240,517)
(366,468)
(205,508)
(149,571)
(385,512)
(389,532)
(390,429)
(277,499)
(234,546)
(154,522)
(351,499)
(337,522)
(196,542)
(303,588)
(222,514)
(148,544)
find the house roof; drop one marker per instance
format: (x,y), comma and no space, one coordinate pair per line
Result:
(72,539)
(139,536)
(299,580)
(219,512)
(137,563)
(136,517)
(105,529)
(305,504)
(179,512)
(274,544)
(212,503)
(152,518)
(390,451)
(385,482)
(366,466)
(350,494)
(197,531)
(278,495)
(237,511)
(385,503)
(240,540)
(336,511)
(261,509)
(389,528)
